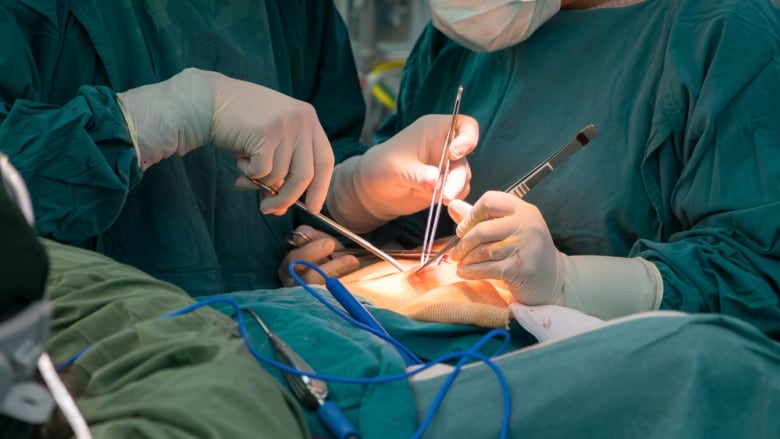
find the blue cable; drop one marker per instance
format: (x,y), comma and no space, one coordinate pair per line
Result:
(352,305)
(445,359)
(357,315)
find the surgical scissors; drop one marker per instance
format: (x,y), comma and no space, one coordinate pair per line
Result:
(434,211)
(352,236)
(524,185)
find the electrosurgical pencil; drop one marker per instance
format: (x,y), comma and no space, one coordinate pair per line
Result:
(311,392)
(524,185)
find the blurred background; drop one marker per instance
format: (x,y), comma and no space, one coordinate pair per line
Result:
(383,33)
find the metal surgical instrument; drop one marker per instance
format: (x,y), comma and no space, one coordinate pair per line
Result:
(310,392)
(352,236)
(358,252)
(438,191)
(524,185)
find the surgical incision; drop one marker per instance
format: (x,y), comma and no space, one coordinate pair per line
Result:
(430,294)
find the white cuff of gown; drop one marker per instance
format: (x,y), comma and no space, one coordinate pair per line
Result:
(609,287)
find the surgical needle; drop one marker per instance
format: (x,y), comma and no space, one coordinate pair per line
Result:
(524,185)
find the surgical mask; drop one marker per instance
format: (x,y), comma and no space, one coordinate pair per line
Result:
(490,25)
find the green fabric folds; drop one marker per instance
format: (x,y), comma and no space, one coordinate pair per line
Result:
(182,220)
(683,172)
(654,375)
(335,348)
(183,377)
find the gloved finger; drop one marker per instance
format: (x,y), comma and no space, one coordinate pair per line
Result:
(312,234)
(299,174)
(458,210)
(466,137)
(336,267)
(243,183)
(491,230)
(489,269)
(278,174)
(340,266)
(457,184)
(492,251)
(491,204)
(313,252)
(260,162)
(243,165)
(323,163)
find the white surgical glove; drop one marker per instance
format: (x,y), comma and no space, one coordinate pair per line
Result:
(398,176)
(277,139)
(507,239)
(320,249)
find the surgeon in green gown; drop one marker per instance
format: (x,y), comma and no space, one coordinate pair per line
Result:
(107,106)
(674,205)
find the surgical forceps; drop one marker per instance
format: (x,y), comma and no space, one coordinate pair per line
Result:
(524,185)
(438,191)
(349,234)
(357,252)
(311,392)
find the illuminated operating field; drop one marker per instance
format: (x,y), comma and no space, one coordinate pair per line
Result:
(433,294)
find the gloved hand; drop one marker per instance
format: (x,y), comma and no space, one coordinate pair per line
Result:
(398,176)
(505,238)
(318,248)
(277,139)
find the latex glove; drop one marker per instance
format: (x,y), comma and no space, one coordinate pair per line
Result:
(507,239)
(277,139)
(553,322)
(398,176)
(318,248)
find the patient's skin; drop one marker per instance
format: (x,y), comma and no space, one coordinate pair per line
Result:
(386,287)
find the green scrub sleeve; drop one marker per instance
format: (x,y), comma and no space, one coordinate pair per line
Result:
(727,193)
(189,376)
(77,160)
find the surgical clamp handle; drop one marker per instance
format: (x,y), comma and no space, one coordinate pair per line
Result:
(524,185)
(352,236)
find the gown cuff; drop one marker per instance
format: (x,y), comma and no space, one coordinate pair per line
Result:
(609,287)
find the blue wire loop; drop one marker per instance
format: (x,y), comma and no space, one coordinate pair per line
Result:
(409,357)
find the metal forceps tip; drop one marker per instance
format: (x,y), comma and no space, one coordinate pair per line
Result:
(437,198)
(524,185)
(352,236)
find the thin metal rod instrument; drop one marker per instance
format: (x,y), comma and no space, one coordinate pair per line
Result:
(349,234)
(310,392)
(438,191)
(524,185)
(358,252)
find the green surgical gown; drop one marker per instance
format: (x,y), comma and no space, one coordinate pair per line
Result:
(188,376)
(181,220)
(684,170)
